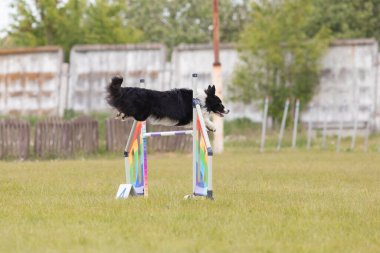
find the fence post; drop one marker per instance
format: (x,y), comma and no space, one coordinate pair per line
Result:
(340,129)
(355,129)
(295,124)
(367,132)
(264,124)
(324,129)
(283,124)
(310,127)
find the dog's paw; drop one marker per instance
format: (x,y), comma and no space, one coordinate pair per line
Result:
(118,115)
(211,128)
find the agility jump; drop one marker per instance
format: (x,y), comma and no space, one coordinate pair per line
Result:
(136,162)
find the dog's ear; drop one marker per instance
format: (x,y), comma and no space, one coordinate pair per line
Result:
(208,90)
(213,89)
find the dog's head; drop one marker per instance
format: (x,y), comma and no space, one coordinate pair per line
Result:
(213,102)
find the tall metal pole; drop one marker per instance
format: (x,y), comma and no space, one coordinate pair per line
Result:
(310,127)
(366,136)
(195,151)
(217,79)
(295,124)
(355,129)
(340,128)
(283,124)
(324,127)
(264,124)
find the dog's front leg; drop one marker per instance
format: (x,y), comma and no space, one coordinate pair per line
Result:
(209,125)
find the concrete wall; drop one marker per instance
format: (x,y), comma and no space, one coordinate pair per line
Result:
(91,68)
(35,81)
(348,83)
(30,81)
(376,114)
(188,59)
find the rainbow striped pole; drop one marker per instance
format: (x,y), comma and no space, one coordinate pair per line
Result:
(202,151)
(145,160)
(194,86)
(126,154)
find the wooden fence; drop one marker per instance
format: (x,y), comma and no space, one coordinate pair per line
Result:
(85,135)
(181,143)
(56,137)
(117,133)
(14,138)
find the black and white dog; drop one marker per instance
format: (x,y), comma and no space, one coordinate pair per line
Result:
(168,108)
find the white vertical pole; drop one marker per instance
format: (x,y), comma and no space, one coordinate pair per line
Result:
(217,79)
(324,128)
(283,124)
(264,124)
(209,188)
(367,131)
(310,127)
(295,124)
(340,130)
(355,129)
(218,121)
(194,86)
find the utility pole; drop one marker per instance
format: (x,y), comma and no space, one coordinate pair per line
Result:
(217,79)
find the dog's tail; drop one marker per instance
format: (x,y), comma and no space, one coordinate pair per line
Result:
(114,90)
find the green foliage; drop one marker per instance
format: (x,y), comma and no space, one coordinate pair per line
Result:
(66,23)
(71,22)
(70,114)
(279,55)
(348,18)
(106,24)
(186,21)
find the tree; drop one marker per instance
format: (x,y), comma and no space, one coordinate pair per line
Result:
(106,23)
(186,21)
(279,55)
(66,23)
(172,22)
(348,18)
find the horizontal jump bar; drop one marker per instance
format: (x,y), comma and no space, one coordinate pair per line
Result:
(169,133)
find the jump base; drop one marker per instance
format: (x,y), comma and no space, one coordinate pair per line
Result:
(125,190)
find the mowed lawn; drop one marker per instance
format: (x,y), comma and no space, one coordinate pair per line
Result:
(291,201)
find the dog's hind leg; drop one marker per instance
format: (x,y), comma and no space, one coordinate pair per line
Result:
(118,115)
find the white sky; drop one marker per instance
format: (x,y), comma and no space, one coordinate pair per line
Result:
(5,15)
(5,12)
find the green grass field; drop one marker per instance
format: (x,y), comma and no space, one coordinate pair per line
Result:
(292,201)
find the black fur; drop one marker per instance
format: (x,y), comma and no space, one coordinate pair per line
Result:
(175,104)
